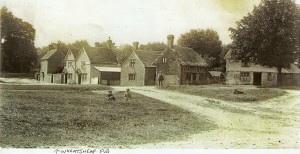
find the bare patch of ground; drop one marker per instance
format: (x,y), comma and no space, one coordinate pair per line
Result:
(269,124)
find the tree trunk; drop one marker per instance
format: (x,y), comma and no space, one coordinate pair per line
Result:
(279,77)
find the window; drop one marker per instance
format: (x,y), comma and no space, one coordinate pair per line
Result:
(132,62)
(271,76)
(70,75)
(131,77)
(164,60)
(245,63)
(245,76)
(236,76)
(69,64)
(84,76)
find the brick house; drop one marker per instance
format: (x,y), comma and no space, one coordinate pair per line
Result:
(97,65)
(51,65)
(181,65)
(240,72)
(139,69)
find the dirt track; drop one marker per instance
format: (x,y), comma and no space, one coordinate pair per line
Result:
(270,124)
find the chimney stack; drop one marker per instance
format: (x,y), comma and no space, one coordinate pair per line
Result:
(135,46)
(97,44)
(170,41)
(109,43)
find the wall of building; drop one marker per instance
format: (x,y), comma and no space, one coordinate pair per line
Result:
(56,78)
(83,63)
(138,69)
(269,81)
(70,69)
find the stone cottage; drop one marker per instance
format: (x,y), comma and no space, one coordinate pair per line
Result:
(241,72)
(139,69)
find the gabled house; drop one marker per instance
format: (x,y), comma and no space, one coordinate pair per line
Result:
(68,73)
(139,69)
(181,65)
(52,65)
(247,73)
(97,65)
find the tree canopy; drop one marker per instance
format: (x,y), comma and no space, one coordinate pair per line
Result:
(18,53)
(268,35)
(205,42)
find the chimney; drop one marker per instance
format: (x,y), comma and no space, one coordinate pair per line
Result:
(51,46)
(109,43)
(170,41)
(97,44)
(135,46)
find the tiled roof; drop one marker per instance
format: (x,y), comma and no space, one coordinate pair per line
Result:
(186,56)
(147,57)
(101,56)
(49,54)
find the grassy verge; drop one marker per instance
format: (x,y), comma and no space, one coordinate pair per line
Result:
(42,118)
(251,94)
(61,87)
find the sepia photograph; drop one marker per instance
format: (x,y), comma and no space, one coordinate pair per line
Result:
(149,76)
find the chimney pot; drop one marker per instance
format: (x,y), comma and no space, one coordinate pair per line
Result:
(170,41)
(109,43)
(135,45)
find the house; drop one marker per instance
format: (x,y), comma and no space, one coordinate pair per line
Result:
(138,69)
(97,65)
(69,71)
(241,72)
(217,76)
(181,65)
(52,65)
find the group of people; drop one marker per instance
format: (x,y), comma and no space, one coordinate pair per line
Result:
(111,97)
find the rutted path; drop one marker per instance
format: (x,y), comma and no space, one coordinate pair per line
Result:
(269,124)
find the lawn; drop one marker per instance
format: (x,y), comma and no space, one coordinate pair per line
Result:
(226,92)
(47,116)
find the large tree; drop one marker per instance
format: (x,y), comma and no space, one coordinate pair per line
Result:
(18,53)
(268,35)
(205,42)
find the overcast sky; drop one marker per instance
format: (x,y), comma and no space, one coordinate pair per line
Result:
(126,21)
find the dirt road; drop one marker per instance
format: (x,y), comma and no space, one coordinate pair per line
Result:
(269,124)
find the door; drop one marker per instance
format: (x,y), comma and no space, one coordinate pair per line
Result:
(66,78)
(79,78)
(257,78)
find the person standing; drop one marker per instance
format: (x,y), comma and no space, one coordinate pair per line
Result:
(160,78)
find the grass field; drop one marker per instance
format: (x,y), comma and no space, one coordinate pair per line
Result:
(46,116)
(223,92)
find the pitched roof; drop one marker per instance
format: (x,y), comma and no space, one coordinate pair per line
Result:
(101,56)
(147,57)
(49,54)
(292,69)
(186,56)
(75,52)
(228,55)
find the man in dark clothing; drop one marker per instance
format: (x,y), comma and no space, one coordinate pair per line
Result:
(160,78)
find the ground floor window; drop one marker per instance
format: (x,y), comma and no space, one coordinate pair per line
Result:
(245,76)
(70,75)
(131,77)
(84,76)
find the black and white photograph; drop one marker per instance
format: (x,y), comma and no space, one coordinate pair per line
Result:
(149,76)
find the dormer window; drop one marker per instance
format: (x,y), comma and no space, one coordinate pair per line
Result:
(132,62)
(164,60)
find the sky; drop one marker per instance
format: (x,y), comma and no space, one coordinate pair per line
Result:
(126,21)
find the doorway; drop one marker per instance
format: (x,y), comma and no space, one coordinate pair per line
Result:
(257,78)
(79,78)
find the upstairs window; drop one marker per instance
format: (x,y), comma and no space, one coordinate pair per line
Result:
(70,75)
(132,62)
(131,77)
(69,64)
(164,60)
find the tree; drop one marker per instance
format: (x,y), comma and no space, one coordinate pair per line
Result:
(78,44)
(18,53)
(267,36)
(154,46)
(205,42)
(122,52)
